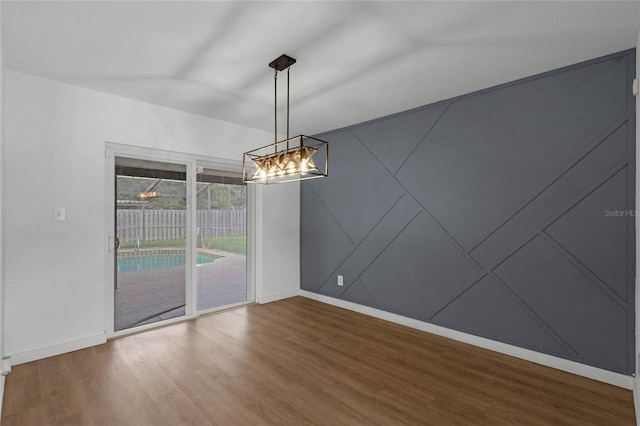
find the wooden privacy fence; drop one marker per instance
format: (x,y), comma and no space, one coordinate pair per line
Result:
(153,225)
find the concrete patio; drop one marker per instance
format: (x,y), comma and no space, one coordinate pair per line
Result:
(148,296)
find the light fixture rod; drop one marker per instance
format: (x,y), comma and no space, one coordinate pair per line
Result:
(288,71)
(283,62)
(275,108)
(275,104)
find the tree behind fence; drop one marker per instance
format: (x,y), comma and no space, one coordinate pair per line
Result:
(154,225)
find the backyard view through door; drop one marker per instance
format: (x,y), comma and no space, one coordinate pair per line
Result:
(222,233)
(151,221)
(151,230)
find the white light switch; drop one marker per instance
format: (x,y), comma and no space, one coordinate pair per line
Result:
(59,214)
(340,280)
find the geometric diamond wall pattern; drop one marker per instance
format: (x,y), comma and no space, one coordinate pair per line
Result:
(506,213)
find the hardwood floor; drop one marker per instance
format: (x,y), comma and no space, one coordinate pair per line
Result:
(299,362)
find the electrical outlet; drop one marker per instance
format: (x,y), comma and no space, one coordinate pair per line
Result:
(59,214)
(340,280)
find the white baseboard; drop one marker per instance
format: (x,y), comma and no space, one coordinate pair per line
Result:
(276,296)
(636,402)
(2,380)
(594,373)
(61,348)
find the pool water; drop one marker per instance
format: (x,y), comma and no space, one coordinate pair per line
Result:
(157,260)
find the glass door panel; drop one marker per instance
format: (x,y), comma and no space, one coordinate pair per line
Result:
(221,239)
(151,231)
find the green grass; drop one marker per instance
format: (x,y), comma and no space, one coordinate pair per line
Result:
(178,242)
(237,244)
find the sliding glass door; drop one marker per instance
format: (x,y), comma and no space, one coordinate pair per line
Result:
(151,236)
(178,240)
(221,239)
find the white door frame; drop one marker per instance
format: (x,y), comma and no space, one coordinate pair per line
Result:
(251,231)
(191,162)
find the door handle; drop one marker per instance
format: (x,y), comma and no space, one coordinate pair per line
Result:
(114,243)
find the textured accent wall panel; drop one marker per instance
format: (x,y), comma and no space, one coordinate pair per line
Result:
(507,213)
(321,226)
(487,308)
(396,219)
(393,140)
(360,194)
(419,254)
(576,308)
(598,242)
(358,293)
(583,175)
(500,143)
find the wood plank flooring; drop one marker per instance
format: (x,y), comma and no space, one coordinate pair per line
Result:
(300,362)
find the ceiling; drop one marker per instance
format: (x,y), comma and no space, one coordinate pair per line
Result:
(356,60)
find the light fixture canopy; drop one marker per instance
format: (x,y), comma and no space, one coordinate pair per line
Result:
(292,159)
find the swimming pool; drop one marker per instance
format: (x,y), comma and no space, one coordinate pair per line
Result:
(142,261)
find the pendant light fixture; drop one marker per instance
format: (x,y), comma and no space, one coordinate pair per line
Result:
(292,159)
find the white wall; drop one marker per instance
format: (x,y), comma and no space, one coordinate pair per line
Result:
(2,378)
(279,223)
(636,389)
(55,157)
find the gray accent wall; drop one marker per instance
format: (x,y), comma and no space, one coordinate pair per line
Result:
(506,213)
